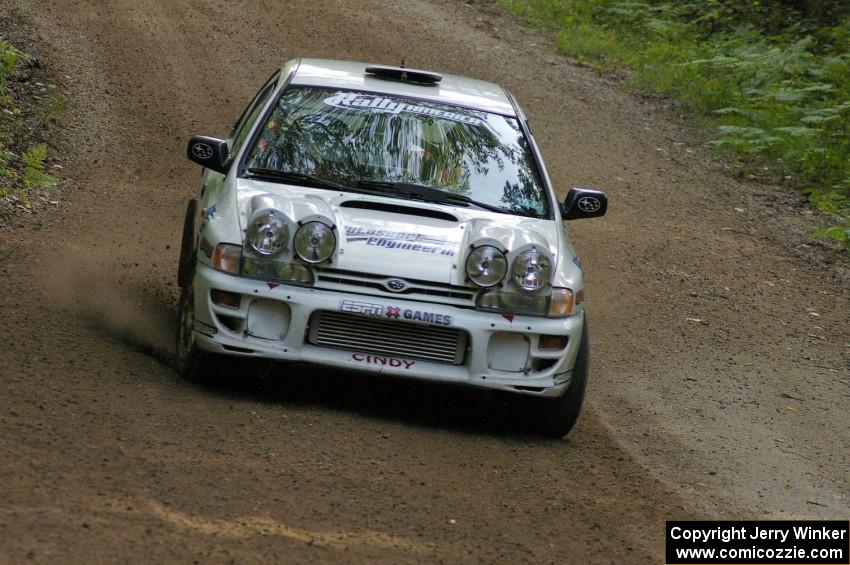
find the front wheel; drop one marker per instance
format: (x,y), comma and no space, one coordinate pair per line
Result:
(555,417)
(193,364)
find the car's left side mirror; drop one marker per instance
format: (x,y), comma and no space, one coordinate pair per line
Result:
(210,152)
(584,203)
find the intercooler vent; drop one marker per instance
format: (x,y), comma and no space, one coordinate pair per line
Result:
(387,337)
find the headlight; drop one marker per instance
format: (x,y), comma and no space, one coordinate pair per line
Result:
(268,233)
(531,270)
(486,266)
(518,303)
(274,270)
(559,304)
(315,242)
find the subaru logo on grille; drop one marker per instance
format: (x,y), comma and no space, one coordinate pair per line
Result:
(396,285)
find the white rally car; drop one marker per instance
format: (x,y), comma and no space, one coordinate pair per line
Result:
(389,220)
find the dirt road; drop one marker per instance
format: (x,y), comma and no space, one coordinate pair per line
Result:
(720,382)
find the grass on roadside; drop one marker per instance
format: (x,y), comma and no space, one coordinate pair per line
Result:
(23,150)
(773,85)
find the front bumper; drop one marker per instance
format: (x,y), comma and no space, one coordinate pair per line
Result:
(273,321)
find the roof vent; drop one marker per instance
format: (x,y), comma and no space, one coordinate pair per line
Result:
(403,74)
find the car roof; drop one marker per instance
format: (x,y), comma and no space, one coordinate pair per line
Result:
(452,89)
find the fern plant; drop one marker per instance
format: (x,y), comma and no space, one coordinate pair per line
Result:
(34,175)
(9,57)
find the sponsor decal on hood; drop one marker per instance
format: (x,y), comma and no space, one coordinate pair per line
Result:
(407,241)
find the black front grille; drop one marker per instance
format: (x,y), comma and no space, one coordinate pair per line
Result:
(378,336)
(460,295)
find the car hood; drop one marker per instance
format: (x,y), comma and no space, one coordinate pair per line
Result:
(397,237)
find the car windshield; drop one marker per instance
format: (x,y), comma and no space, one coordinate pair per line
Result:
(358,138)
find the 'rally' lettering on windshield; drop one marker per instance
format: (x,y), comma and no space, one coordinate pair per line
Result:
(384,104)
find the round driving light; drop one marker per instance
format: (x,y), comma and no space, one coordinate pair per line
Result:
(268,234)
(531,270)
(315,242)
(486,266)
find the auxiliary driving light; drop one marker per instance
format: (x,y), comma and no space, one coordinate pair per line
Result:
(268,233)
(315,242)
(486,266)
(531,270)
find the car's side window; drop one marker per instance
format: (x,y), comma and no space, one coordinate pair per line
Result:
(249,116)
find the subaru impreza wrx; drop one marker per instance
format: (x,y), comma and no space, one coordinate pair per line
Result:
(388,220)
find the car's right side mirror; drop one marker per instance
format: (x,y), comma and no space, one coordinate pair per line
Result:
(584,203)
(210,152)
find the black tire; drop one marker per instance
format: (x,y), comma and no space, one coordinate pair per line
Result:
(555,417)
(187,246)
(193,364)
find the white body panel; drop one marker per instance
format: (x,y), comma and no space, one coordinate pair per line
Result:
(452,89)
(486,332)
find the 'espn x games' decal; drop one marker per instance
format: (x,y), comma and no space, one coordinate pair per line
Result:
(395,313)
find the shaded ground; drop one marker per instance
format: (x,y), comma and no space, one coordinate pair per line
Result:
(721,360)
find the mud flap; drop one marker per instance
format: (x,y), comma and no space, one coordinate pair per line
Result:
(187,246)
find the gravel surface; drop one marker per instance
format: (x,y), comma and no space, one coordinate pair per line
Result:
(720,380)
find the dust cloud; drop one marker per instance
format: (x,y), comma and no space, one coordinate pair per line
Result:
(119,299)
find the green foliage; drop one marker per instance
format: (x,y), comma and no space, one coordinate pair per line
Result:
(24,123)
(5,157)
(5,170)
(34,175)
(770,77)
(9,57)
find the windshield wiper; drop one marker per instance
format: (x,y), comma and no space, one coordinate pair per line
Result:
(397,189)
(426,194)
(294,176)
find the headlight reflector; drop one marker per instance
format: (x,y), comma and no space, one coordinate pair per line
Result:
(486,266)
(268,233)
(315,242)
(531,270)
